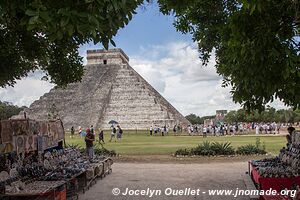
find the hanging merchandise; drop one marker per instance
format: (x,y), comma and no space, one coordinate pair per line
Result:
(20,126)
(6,131)
(32,163)
(19,143)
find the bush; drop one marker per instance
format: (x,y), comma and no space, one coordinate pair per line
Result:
(217,148)
(222,148)
(101,150)
(98,150)
(249,149)
(182,152)
(208,149)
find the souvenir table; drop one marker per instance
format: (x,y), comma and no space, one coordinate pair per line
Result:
(281,172)
(36,188)
(276,183)
(33,164)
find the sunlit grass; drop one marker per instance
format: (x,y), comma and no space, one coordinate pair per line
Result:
(139,143)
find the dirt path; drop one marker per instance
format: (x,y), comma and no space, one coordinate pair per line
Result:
(140,176)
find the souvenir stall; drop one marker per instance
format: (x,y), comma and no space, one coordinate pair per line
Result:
(34,164)
(279,173)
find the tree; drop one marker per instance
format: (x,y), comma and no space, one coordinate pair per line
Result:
(256,44)
(7,110)
(194,119)
(230,117)
(46,34)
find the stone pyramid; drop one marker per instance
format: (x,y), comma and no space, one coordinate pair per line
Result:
(110,90)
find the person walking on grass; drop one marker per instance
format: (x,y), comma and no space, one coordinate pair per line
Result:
(113,133)
(151,129)
(120,133)
(174,129)
(72,132)
(89,139)
(101,137)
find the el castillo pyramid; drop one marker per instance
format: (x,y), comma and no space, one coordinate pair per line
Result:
(110,90)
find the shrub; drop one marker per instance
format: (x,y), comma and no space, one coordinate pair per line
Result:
(208,149)
(249,149)
(183,152)
(222,148)
(217,148)
(101,150)
(204,149)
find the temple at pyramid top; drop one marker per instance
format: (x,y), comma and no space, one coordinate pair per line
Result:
(110,90)
(102,56)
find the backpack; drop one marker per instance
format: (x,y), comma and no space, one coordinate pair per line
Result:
(121,131)
(114,130)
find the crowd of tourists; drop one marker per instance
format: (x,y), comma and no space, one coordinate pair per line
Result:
(164,130)
(236,128)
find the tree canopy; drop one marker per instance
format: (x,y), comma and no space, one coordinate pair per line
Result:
(194,119)
(7,110)
(46,35)
(270,114)
(256,44)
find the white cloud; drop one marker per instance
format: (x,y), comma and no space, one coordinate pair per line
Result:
(178,74)
(26,90)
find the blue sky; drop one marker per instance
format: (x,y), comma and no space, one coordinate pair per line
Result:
(147,28)
(167,59)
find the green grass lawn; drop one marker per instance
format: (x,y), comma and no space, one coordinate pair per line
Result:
(141,144)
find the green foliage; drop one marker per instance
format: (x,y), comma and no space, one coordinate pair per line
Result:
(45,35)
(222,148)
(208,149)
(256,44)
(8,110)
(194,119)
(183,152)
(98,149)
(268,115)
(250,149)
(101,150)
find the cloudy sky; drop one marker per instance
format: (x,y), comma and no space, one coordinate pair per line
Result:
(167,59)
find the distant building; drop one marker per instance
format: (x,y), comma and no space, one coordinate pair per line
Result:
(220,115)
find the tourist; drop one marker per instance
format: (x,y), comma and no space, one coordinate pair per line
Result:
(72,132)
(204,131)
(151,129)
(155,130)
(165,129)
(101,136)
(113,133)
(289,136)
(257,129)
(278,128)
(92,130)
(120,132)
(174,129)
(89,139)
(226,129)
(79,130)
(189,129)
(83,134)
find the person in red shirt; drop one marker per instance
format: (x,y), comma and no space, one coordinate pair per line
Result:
(89,139)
